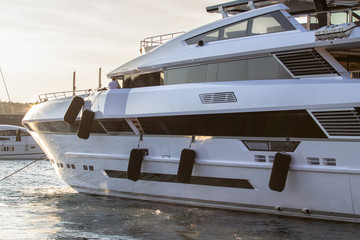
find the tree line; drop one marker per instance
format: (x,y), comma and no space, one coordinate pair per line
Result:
(19,108)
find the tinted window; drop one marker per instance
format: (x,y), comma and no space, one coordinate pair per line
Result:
(143,80)
(116,125)
(287,146)
(265,24)
(261,124)
(236,30)
(206,37)
(265,124)
(8,133)
(248,69)
(268,23)
(61,127)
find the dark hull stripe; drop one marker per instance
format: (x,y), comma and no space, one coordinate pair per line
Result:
(208,181)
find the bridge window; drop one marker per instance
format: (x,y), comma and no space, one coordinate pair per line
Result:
(268,23)
(236,31)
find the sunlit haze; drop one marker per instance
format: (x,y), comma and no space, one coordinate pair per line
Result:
(43,42)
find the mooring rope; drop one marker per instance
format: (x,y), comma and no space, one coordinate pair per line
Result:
(19,170)
(2,75)
(101,91)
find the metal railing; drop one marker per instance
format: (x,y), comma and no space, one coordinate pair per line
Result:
(154,41)
(56,95)
(355,74)
(332,17)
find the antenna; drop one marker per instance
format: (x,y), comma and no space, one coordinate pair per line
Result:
(2,75)
(99,77)
(74,86)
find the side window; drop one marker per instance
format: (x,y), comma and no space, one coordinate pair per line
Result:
(268,23)
(265,24)
(236,30)
(212,36)
(143,80)
(8,133)
(206,37)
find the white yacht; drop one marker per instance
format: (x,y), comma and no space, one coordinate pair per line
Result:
(17,144)
(253,112)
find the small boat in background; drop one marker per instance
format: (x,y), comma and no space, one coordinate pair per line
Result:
(17,144)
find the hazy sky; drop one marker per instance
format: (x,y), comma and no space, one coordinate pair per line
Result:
(42,42)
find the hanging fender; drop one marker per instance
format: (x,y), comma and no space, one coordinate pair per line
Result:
(134,166)
(279,172)
(74,109)
(85,124)
(186,164)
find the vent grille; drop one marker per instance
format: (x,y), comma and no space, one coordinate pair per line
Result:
(313,161)
(260,158)
(221,97)
(339,123)
(305,63)
(329,161)
(325,161)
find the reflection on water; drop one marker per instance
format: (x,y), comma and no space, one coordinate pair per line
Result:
(36,204)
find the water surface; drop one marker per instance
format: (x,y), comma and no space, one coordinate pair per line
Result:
(36,204)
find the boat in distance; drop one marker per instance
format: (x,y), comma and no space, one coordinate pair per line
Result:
(253,112)
(18,144)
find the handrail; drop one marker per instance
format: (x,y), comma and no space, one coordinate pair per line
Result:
(355,74)
(56,95)
(351,15)
(157,40)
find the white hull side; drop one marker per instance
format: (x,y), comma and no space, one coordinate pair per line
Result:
(329,192)
(26,149)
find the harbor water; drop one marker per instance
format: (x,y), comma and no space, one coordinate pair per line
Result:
(36,204)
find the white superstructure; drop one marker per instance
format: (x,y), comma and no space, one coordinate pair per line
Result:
(251,112)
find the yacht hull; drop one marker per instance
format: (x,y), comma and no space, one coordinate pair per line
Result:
(226,175)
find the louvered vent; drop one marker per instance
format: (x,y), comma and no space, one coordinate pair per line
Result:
(116,125)
(339,123)
(329,161)
(260,158)
(305,63)
(313,161)
(221,97)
